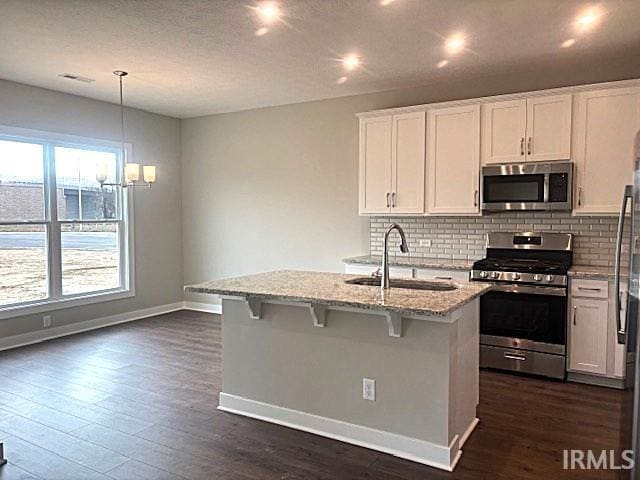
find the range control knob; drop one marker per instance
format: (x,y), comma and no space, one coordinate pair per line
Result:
(537,277)
(516,276)
(549,278)
(495,275)
(484,274)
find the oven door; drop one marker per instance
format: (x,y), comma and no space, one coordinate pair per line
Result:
(525,317)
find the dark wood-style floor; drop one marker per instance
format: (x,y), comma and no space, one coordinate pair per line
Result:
(138,401)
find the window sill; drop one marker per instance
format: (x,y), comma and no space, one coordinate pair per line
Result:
(44,306)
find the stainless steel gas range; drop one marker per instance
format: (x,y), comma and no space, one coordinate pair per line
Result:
(523,319)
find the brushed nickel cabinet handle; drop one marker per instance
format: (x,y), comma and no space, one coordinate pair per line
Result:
(510,356)
(476,196)
(522,146)
(579,196)
(575,310)
(388,199)
(529,146)
(393,200)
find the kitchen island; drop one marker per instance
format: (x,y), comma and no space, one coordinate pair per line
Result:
(298,347)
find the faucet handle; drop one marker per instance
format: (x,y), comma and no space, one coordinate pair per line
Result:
(377,273)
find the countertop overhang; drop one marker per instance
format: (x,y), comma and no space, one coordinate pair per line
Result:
(330,289)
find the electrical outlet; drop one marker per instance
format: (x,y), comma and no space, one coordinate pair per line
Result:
(369,389)
(46,321)
(425,242)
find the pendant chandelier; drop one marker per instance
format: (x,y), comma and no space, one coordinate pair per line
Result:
(130,174)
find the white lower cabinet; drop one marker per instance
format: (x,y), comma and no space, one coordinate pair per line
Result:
(370,269)
(588,335)
(432,274)
(436,274)
(593,346)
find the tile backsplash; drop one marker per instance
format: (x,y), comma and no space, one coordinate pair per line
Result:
(463,238)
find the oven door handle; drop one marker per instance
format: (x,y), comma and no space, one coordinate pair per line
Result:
(530,289)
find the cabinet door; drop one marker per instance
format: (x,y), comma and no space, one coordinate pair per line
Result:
(504,131)
(394,272)
(549,128)
(588,330)
(375,165)
(453,160)
(606,123)
(408,163)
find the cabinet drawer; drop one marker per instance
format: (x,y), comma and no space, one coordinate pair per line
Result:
(590,288)
(437,274)
(362,269)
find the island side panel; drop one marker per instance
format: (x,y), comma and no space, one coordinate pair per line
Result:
(283,360)
(465,372)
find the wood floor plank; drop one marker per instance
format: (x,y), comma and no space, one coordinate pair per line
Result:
(67,446)
(45,464)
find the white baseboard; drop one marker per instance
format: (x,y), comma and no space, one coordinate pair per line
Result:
(472,426)
(24,339)
(203,307)
(421,451)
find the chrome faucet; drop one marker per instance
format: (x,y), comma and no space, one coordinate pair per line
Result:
(384,283)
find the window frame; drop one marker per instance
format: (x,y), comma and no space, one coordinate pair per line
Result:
(56,299)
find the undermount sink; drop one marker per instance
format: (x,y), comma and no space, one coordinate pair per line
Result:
(405,283)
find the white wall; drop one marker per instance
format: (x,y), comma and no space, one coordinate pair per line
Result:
(277,187)
(158,236)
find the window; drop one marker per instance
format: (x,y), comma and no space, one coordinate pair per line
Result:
(63,237)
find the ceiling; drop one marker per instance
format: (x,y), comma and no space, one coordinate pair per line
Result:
(193,57)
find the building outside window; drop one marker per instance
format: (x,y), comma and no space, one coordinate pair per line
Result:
(63,239)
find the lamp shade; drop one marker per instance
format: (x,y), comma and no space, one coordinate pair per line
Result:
(149,173)
(132,172)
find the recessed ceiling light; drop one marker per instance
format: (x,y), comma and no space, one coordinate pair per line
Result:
(455,44)
(568,43)
(588,19)
(341,80)
(384,3)
(268,12)
(351,62)
(442,63)
(261,31)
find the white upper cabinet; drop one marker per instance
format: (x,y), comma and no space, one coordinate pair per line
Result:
(392,164)
(453,160)
(532,129)
(375,165)
(408,163)
(549,128)
(504,127)
(604,129)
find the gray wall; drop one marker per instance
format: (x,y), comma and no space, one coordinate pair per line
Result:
(158,237)
(278,187)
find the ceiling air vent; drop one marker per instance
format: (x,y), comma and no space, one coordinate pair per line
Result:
(77,78)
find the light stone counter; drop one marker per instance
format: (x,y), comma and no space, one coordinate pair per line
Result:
(590,271)
(330,289)
(412,262)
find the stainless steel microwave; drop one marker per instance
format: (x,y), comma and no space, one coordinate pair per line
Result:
(527,186)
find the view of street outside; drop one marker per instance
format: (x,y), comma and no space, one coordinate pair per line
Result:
(89,263)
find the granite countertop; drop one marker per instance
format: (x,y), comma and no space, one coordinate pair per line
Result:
(331,289)
(413,262)
(590,271)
